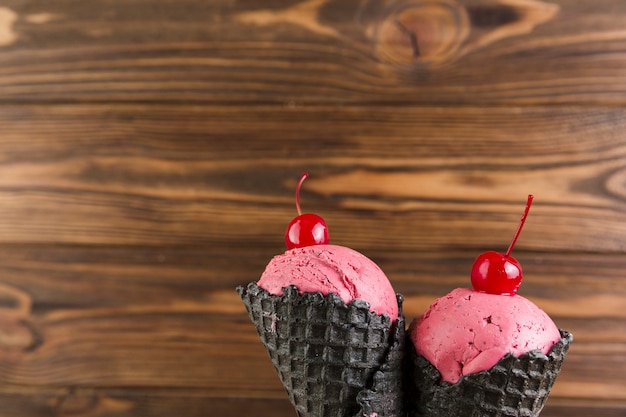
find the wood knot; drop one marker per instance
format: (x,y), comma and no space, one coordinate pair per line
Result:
(427,32)
(421,34)
(18,336)
(16,331)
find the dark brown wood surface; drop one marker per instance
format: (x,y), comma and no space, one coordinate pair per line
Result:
(149,152)
(315,51)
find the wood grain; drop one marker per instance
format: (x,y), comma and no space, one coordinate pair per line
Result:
(189,175)
(155,318)
(315,51)
(127,403)
(149,153)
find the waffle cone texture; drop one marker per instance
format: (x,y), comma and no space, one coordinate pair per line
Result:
(334,359)
(514,387)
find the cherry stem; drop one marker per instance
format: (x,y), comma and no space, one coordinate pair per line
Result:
(521,224)
(302,178)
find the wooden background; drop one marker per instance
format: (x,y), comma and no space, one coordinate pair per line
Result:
(149,152)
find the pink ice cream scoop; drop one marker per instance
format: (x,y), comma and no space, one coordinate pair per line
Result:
(332,269)
(468,331)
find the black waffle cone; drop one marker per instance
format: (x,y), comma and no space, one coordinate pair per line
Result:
(334,359)
(514,387)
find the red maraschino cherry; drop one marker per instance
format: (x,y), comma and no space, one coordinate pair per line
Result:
(307,229)
(499,273)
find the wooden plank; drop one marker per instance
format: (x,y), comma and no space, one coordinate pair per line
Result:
(157,318)
(149,154)
(18,402)
(444,51)
(410,178)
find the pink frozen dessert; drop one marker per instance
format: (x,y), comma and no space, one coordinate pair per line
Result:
(332,325)
(313,265)
(332,269)
(468,331)
(487,351)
